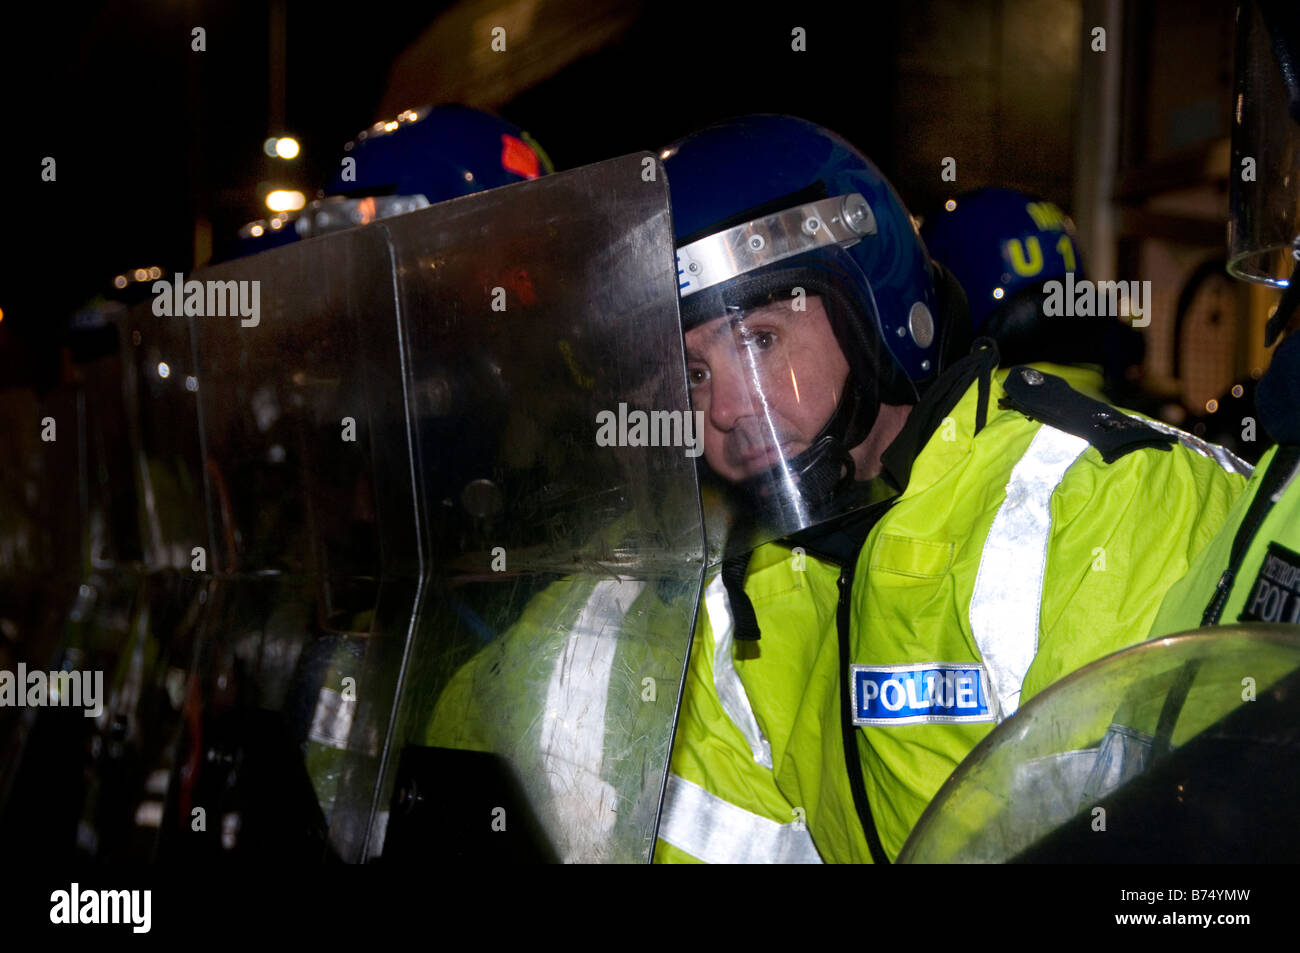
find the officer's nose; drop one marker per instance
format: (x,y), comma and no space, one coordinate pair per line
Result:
(731,393)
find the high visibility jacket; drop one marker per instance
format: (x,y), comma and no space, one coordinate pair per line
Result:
(562,696)
(577,697)
(722,804)
(1012,557)
(1263,583)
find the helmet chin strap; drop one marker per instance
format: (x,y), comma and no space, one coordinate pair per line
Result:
(820,473)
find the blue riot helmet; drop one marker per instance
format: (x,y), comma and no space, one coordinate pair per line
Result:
(422,157)
(807,303)
(1003,245)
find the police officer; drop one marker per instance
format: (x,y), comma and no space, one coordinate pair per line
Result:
(801,389)
(926,561)
(1003,245)
(1251,571)
(541,694)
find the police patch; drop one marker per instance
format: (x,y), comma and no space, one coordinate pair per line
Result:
(1275,596)
(931,692)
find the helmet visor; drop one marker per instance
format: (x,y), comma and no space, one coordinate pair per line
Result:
(787,375)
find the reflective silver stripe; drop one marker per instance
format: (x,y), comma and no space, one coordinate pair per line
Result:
(331,722)
(1125,753)
(726,680)
(718,832)
(1221,455)
(572,742)
(1053,788)
(1047,789)
(1007,601)
(840,220)
(1281,490)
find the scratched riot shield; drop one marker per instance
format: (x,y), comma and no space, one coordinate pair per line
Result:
(1178,750)
(94,787)
(40,552)
(556,461)
(69,774)
(431,483)
(291,528)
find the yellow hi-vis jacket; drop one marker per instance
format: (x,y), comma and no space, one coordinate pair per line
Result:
(1012,557)
(1264,585)
(722,803)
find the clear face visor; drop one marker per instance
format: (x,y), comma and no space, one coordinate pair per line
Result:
(786,368)
(1264,224)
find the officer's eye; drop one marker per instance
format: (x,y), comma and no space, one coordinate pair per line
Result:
(761,340)
(695,376)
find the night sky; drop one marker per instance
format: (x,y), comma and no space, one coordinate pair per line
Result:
(147,134)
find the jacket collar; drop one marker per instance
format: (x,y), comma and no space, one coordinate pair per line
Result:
(937,403)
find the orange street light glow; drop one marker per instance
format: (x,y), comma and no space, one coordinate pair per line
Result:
(285,200)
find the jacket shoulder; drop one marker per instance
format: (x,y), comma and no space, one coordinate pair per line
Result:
(1045,397)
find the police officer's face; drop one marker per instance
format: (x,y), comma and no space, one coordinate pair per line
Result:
(767,382)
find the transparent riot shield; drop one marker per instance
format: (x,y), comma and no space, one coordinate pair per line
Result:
(99,787)
(1178,750)
(40,554)
(556,459)
(304,533)
(419,540)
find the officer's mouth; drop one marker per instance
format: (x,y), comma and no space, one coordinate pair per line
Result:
(763,458)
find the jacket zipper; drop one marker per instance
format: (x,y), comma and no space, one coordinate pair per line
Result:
(848,731)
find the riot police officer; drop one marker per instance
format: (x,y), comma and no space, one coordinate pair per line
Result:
(927,561)
(1004,245)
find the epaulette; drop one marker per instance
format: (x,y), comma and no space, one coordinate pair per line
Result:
(1050,399)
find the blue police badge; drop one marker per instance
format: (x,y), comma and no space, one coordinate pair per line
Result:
(929,692)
